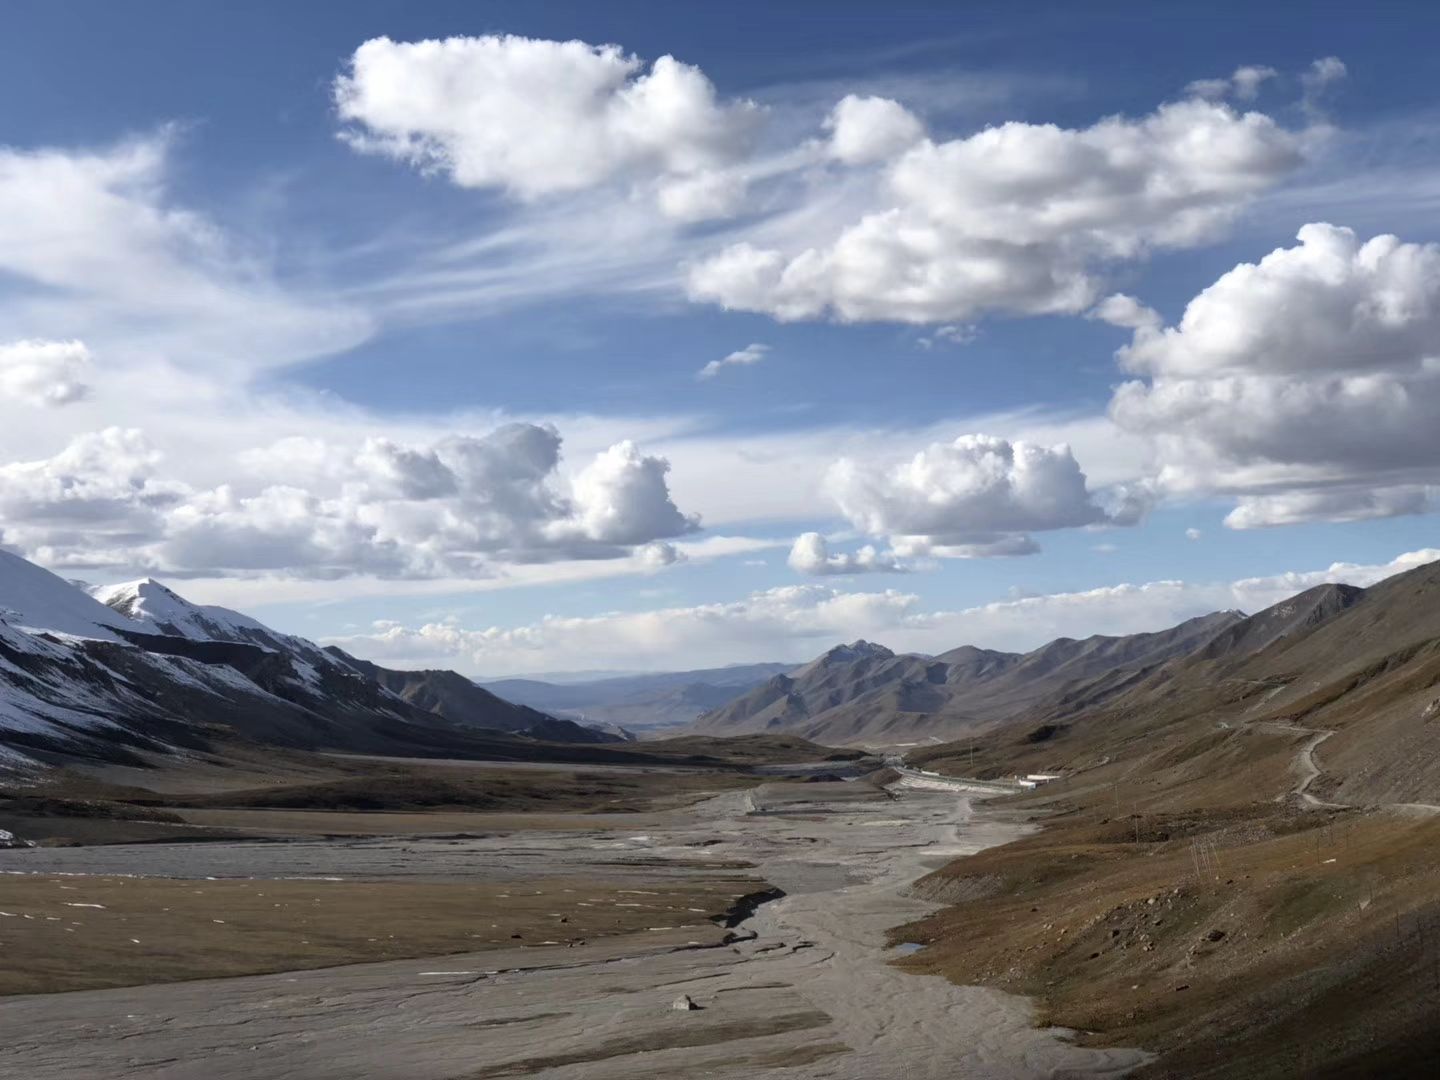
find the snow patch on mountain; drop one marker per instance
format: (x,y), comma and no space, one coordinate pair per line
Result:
(153,608)
(37,600)
(40,693)
(116,671)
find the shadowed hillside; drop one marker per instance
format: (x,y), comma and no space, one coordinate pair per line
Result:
(1238,866)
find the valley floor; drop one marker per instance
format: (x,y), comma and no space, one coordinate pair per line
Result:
(613,923)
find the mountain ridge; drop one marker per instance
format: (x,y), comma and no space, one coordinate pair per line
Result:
(1357,669)
(165,613)
(875,695)
(152,674)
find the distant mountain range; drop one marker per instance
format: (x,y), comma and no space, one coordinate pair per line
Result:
(639,703)
(133,671)
(1334,651)
(865,693)
(136,670)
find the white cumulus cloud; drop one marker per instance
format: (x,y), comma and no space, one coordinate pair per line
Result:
(621,498)
(97,499)
(811,554)
(865,130)
(535,118)
(1122,310)
(1308,383)
(461,507)
(1016,218)
(45,372)
(976,496)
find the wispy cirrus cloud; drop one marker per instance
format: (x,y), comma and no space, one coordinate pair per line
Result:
(746,357)
(112,260)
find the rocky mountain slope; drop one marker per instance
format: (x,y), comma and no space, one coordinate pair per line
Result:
(158,610)
(453,696)
(148,673)
(864,693)
(1253,824)
(1354,673)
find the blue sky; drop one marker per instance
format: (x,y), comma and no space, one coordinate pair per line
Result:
(271,291)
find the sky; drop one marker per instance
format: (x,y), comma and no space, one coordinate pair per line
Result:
(516,338)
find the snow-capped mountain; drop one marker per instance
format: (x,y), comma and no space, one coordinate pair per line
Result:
(32,598)
(147,672)
(158,610)
(154,609)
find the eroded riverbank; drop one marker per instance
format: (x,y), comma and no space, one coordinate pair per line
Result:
(810,994)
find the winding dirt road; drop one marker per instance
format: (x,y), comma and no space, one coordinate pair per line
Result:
(1307,770)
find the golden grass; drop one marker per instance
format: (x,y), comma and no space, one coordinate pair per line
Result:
(72,933)
(1179,945)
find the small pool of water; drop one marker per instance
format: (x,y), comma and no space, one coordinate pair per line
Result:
(907,948)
